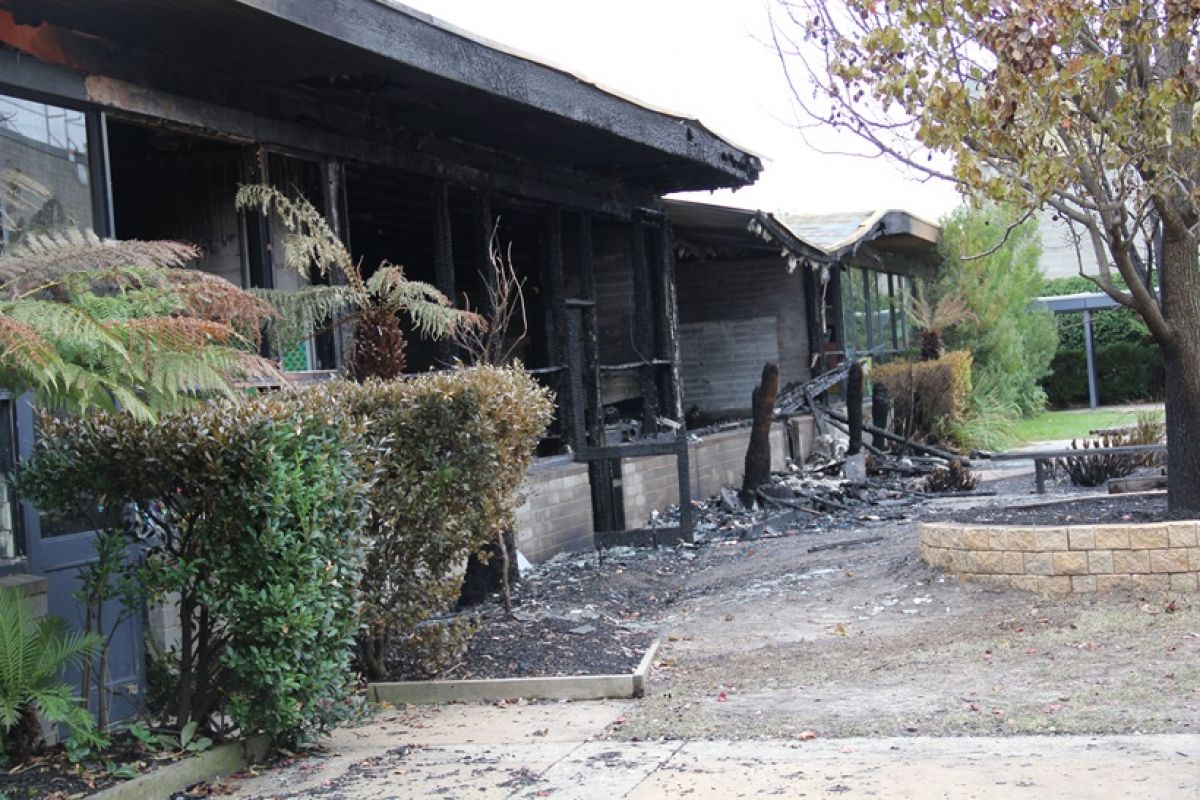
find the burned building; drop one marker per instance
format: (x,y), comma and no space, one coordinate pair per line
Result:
(139,119)
(803,291)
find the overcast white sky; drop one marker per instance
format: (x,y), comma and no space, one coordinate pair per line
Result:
(701,58)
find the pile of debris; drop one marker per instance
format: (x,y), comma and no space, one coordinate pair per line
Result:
(801,500)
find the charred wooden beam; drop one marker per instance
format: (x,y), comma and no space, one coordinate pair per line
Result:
(667,318)
(643,323)
(460,164)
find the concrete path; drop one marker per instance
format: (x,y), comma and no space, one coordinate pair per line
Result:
(561,751)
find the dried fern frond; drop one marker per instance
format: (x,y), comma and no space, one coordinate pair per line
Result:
(431,311)
(43,260)
(311,243)
(211,297)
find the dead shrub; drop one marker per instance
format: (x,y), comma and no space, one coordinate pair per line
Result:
(955,477)
(929,397)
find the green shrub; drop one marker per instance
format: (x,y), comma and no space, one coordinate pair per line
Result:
(929,397)
(1125,372)
(33,654)
(450,452)
(257,511)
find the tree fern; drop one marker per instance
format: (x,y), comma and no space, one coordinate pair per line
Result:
(313,244)
(89,322)
(33,654)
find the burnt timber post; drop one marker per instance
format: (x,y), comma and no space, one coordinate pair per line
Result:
(881,409)
(443,258)
(854,407)
(600,472)
(483,251)
(562,367)
(643,325)
(667,319)
(758,452)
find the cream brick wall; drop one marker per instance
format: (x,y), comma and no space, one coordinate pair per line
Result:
(1157,557)
(556,516)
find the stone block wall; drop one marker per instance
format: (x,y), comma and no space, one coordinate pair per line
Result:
(1157,557)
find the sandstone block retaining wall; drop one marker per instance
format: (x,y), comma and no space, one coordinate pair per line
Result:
(1075,558)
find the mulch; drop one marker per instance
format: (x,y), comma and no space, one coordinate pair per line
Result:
(1106,509)
(577,614)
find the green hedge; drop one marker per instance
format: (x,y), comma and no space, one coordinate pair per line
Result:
(251,512)
(1126,372)
(295,524)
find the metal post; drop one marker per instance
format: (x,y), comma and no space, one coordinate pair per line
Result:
(1093,400)
(1039,472)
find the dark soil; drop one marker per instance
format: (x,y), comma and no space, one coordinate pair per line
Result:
(575,615)
(1095,510)
(521,647)
(51,776)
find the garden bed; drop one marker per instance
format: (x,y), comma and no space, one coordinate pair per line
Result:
(52,776)
(1107,509)
(538,643)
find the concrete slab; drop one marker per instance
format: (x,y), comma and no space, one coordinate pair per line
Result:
(557,750)
(605,769)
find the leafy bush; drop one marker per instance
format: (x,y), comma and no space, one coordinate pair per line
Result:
(449,451)
(929,397)
(255,511)
(1125,372)
(33,654)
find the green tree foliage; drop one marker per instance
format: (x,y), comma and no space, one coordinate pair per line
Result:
(95,323)
(33,653)
(1085,109)
(1011,345)
(450,452)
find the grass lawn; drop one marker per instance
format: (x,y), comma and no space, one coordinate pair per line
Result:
(1070,424)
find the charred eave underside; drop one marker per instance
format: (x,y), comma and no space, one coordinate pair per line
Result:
(359,68)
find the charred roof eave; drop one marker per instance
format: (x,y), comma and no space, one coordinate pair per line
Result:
(405,67)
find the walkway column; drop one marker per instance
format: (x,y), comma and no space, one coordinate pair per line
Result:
(1093,400)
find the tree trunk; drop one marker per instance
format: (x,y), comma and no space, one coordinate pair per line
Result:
(854,407)
(1181,359)
(485,576)
(758,453)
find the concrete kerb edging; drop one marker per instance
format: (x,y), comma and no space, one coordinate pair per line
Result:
(220,761)
(491,690)
(1156,556)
